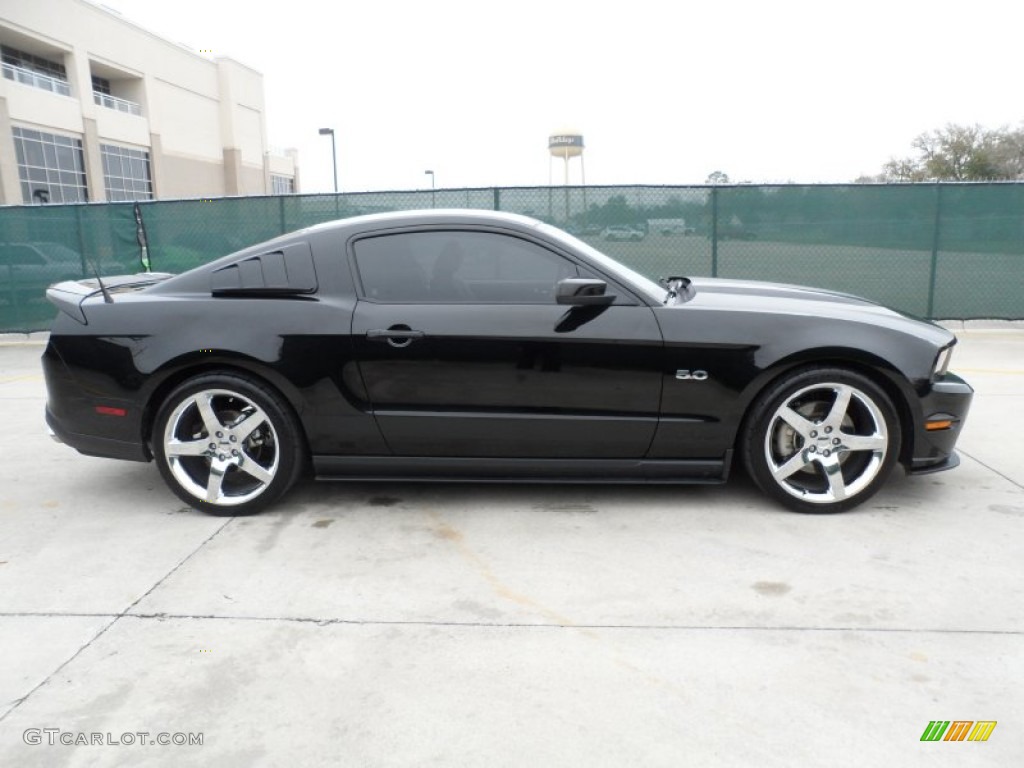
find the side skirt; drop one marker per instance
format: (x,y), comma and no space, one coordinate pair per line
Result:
(478,470)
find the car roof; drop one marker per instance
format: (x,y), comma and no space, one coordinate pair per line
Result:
(428,216)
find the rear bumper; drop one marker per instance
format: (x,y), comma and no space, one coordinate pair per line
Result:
(72,418)
(90,445)
(950,398)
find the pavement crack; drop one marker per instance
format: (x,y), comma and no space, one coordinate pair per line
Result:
(174,570)
(324,621)
(991,469)
(114,619)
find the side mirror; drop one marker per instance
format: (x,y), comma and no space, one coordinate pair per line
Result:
(582,292)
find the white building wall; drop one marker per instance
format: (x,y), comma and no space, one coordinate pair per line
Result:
(205,118)
(187,122)
(119,128)
(41,109)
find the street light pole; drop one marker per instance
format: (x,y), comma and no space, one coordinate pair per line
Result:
(433,193)
(334,155)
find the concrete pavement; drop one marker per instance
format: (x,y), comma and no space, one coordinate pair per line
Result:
(387,624)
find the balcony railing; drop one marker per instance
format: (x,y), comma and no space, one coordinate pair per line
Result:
(112,102)
(36,79)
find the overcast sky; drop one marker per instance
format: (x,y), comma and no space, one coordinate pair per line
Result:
(663,92)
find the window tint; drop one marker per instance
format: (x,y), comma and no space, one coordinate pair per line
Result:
(459,267)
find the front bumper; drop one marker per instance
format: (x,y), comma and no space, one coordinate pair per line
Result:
(950,398)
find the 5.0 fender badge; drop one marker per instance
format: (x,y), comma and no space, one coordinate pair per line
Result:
(687,375)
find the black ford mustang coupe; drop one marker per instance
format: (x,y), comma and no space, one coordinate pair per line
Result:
(466,345)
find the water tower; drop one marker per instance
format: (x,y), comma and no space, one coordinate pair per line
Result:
(567,144)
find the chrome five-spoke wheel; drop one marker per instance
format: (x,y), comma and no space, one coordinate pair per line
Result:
(226,444)
(221,447)
(823,440)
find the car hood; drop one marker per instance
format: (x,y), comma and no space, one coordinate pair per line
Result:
(718,286)
(798,300)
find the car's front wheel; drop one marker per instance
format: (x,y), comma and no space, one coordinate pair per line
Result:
(227,444)
(822,440)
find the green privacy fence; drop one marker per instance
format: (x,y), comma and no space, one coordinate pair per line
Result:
(953,251)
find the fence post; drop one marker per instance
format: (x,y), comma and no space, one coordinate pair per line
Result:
(280,207)
(81,237)
(935,251)
(714,231)
(497,198)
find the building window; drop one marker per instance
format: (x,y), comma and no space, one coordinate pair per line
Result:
(101,85)
(29,69)
(51,167)
(33,62)
(126,173)
(282,185)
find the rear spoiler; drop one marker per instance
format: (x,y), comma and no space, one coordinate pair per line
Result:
(70,295)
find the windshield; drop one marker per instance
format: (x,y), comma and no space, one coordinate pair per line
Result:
(638,282)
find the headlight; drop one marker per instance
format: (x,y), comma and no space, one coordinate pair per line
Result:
(942,362)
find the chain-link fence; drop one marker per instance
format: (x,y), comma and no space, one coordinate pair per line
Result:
(953,251)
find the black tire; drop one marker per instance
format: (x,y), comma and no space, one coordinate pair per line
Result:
(821,439)
(255,454)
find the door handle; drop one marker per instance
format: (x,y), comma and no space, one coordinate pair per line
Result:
(397,336)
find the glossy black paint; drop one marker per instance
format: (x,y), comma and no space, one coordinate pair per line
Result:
(477,382)
(506,380)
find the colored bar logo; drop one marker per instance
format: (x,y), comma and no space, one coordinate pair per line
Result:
(958,730)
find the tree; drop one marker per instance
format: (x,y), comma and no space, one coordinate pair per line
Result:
(615,211)
(1009,153)
(717,177)
(960,153)
(905,169)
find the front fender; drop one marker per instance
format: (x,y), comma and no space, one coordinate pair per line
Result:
(742,352)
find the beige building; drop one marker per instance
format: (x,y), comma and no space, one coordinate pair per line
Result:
(94,108)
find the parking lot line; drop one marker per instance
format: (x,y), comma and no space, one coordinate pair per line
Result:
(23,377)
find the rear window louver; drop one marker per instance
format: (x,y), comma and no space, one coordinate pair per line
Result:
(286,270)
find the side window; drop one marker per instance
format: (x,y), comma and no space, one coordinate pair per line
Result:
(459,267)
(389,271)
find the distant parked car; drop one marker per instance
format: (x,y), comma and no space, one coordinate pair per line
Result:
(622,232)
(677,229)
(26,269)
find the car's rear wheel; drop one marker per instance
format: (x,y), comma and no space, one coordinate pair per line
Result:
(822,440)
(227,444)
